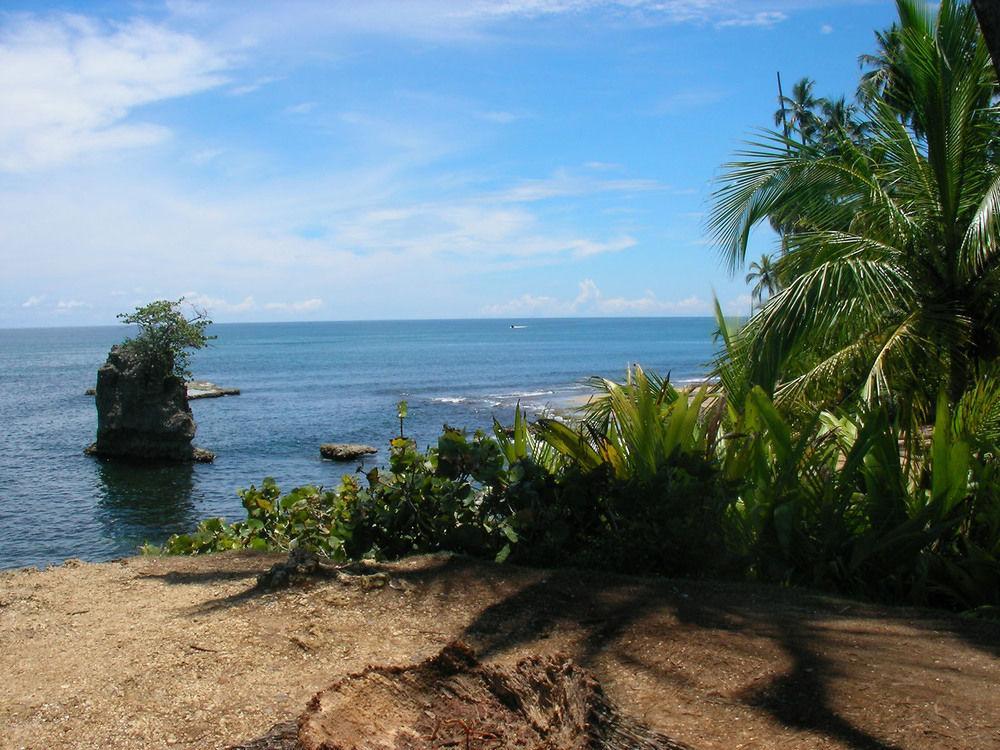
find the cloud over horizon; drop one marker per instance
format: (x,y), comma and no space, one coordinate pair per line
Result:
(591,301)
(387,159)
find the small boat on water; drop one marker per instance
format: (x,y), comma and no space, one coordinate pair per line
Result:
(514,326)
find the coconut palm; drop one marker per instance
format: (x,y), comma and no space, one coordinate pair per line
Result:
(764,277)
(880,81)
(839,117)
(892,275)
(800,109)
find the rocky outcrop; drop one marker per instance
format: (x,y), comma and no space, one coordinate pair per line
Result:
(195,389)
(142,413)
(204,389)
(345,451)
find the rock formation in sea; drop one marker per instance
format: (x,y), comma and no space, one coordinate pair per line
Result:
(205,389)
(195,389)
(345,451)
(142,412)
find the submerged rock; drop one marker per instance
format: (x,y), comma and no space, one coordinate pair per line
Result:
(195,389)
(345,451)
(142,413)
(205,389)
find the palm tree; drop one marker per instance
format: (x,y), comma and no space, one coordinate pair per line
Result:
(764,277)
(839,117)
(892,276)
(880,79)
(800,109)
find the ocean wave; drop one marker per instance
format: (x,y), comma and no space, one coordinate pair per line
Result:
(521,394)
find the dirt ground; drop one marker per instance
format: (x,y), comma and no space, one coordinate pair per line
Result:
(185,653)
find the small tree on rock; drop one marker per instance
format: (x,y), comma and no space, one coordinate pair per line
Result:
(166,335)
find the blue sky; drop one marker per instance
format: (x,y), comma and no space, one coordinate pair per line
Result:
(388,159)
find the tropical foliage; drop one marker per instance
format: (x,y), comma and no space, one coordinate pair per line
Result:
(890,262)
(657,481)
(850,439)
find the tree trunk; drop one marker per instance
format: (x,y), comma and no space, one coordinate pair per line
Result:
(988,13)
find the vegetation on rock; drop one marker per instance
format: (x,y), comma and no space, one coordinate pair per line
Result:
(166,334)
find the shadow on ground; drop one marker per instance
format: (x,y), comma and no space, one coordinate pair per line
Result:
(790,657)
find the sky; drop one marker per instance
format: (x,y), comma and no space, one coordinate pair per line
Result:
(389,159)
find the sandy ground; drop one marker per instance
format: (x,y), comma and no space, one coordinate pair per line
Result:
(184,653)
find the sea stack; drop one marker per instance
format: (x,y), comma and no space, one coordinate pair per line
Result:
(142,412)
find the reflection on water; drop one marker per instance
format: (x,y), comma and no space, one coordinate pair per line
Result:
(140,503)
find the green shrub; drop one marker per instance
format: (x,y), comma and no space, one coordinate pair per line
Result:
(166,334)
(442,499)
(657,482)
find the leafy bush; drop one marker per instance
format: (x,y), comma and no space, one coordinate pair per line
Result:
(166,334)
(642,465)
(835,503)
(657,481)
(521,494)
(442,499)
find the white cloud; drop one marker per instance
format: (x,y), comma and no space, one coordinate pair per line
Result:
(586,248)
(527,304)
(206,155)
(215,304)
(33,301)
(249,88)
(503,118)
(826,29)
(308,305)
(739,305)
(588,293)
(564,184)
(719,12)
(70,84)
(648,304)
(763,19)
(70,304)
(450,21)
(591,301)
(302,108)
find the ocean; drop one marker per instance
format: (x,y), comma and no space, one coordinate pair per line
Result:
(302,384)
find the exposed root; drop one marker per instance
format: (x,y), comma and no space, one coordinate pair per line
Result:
(453,702)
(302,566)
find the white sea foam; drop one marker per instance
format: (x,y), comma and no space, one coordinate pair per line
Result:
(522,394)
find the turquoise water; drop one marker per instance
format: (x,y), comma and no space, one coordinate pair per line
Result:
(302,384)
